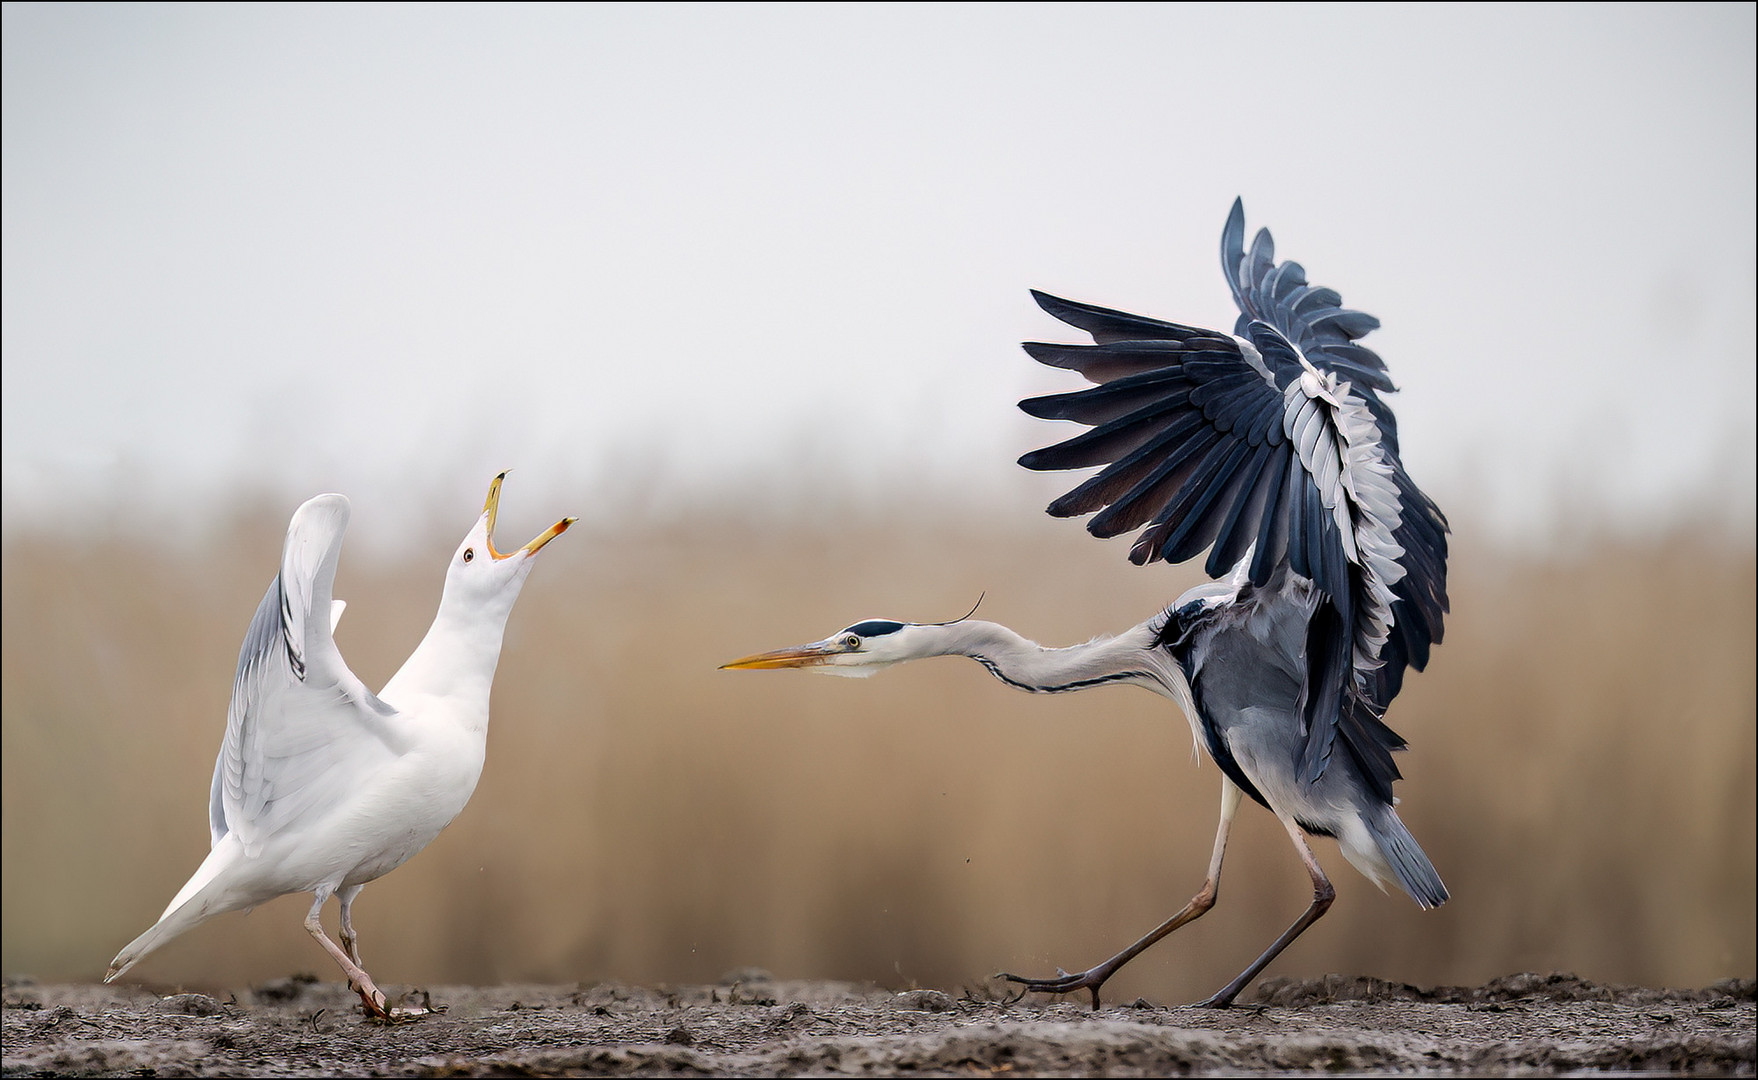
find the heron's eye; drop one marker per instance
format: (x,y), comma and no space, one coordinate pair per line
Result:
(469,553)
(851,643)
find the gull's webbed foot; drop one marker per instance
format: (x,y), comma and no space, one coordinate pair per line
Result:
(410,1009)
(414,1005)
(372,1002)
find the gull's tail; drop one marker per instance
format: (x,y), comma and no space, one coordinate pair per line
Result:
(162,931)
(194,903)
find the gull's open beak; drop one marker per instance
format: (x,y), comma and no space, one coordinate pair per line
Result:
(800,656)
(547,535)
(491,507)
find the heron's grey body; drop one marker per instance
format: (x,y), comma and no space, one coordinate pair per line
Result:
(1272,449)
(1244,659)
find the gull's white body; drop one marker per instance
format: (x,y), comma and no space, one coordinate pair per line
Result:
(365,834)
(322,786)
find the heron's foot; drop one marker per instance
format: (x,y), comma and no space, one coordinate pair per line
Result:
(1064,983)
(1221,1000)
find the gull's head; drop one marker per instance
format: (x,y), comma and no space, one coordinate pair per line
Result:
(481,572)
(855,651)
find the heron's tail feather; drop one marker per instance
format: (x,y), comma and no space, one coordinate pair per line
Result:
(194,903)
(1407,862)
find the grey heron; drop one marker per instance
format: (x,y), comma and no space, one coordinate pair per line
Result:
(1273,449)
(321,785)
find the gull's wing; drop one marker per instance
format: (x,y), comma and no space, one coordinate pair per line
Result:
(1240,445)
(301,730)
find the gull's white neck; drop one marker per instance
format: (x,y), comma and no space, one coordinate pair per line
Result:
(1130,658)
(452,671)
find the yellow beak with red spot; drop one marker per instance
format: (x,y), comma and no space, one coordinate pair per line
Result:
(491,506)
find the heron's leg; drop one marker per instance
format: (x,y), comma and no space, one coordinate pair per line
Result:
(1093,978)
(358,980)
(1322,895)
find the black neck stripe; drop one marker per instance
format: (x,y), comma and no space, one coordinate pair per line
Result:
(1079,684)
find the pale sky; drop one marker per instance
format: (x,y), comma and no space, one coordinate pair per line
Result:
(390,251)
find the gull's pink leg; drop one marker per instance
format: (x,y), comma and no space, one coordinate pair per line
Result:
(350,940)
(358,980)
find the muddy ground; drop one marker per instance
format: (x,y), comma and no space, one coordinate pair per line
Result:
(756,1026)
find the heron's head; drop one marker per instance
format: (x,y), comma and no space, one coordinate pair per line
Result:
(479,571)
(855,651)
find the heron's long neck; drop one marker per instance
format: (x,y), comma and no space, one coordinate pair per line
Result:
(1129,657)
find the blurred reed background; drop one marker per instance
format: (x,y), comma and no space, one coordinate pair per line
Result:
(1582,765)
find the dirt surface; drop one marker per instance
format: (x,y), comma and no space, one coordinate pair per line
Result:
(755,1026)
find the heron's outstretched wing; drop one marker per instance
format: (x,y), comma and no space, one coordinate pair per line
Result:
(1240,445)
(1314,319)
(1311,317)
(301,728)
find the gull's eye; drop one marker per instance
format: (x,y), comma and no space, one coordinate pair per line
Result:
(469,553)
(851,643)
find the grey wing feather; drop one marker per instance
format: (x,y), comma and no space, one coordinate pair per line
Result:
(300,727)
(1311,317)
(1233,444)
(1182,425)
(262,642)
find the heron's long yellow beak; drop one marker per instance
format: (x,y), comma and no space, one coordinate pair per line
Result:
(800,656)
(491,507)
